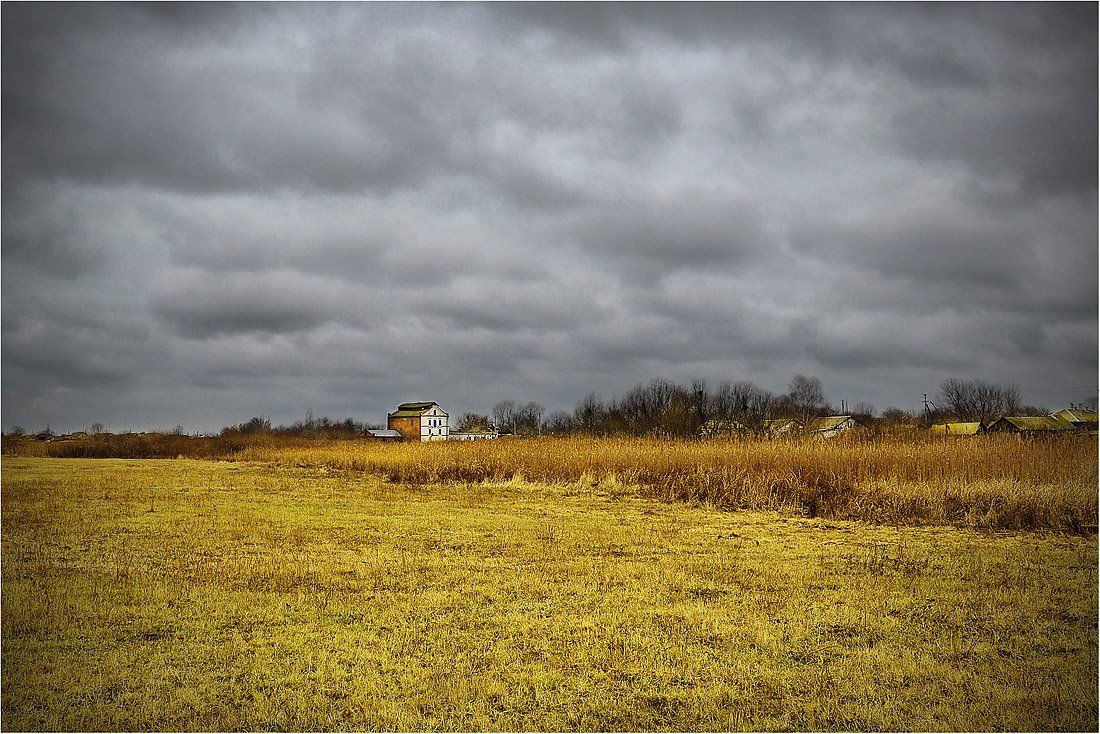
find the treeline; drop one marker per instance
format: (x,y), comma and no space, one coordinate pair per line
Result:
(664,408)
(311,427)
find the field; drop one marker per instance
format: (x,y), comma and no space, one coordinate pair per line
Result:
(553,585)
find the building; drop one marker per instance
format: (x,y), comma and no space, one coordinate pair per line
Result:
(424,421)
(782,427)
(721,427)
(383,434)
(1082,420)
(831,425)
(1031,425)
(957,428)
(474,435)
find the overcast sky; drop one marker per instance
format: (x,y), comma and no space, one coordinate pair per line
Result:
(213,212)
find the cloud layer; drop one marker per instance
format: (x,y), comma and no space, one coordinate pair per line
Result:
(211,212)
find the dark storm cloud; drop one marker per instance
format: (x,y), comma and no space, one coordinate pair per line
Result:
(660,232)
(219,210)
(964,254)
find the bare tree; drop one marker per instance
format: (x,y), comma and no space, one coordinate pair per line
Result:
(975,400)
(895,416)
(807,397)
(645,405)
(741,406)
(590,415)
(472,422)
(528,418)
(559,423)
(504,414)
(97,428)
(863,411)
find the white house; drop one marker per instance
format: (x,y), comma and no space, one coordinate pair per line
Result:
(424,421)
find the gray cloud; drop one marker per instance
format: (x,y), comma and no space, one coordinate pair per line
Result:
(214,211)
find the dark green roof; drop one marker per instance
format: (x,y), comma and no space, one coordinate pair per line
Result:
(412,410)
(1037,423)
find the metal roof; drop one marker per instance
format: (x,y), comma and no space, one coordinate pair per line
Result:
(383,433)
(412,410)
(1037,423)
(775,424)
(827,423)
(958,428)
(1076,415)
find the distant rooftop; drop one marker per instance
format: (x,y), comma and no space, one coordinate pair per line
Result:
(958,428)
(1038,423)
(827,423)
(411,410)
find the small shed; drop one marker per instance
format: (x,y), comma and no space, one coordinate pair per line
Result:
(384,434)
(1031,425)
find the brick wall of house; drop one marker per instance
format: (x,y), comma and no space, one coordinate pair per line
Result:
(409,427)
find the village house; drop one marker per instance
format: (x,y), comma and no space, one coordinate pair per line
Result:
(1030,425)
(422,421)
(831,425)
(1082,420)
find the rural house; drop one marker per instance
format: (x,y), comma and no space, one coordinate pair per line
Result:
(831,425)
(424,421)
(1031,425)
(1082,420)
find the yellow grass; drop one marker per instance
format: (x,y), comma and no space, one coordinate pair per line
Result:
(209,595)
(997,482)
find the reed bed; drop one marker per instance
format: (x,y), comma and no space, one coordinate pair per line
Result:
(1000,483)
(989,482)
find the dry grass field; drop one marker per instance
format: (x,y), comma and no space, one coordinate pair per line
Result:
(986,482)
(355,586)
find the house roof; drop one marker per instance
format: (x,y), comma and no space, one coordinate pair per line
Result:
(777,423)
(828,422)
(383,433)
(720,425)
(412,410)
(1076,415)
(958,428)
(1037,423)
